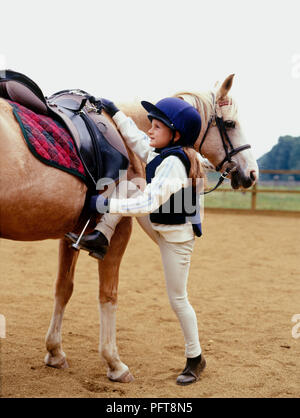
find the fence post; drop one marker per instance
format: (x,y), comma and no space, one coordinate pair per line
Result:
(253,197)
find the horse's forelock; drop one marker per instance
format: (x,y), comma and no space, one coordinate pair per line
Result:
(228,108)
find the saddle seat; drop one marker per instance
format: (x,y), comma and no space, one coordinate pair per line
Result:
(99,145)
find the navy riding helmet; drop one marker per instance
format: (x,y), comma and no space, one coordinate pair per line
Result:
(178,115)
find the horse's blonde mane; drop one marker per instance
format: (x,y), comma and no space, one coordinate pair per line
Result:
(202,102)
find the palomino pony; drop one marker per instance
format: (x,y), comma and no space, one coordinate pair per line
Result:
(41,202)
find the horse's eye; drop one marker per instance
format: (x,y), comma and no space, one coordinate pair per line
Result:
(229,124)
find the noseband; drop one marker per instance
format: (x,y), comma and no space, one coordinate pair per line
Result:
(230,151)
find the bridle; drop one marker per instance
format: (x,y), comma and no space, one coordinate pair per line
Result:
(230,151)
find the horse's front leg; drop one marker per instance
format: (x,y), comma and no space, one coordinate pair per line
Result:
(109,279)
(63,291)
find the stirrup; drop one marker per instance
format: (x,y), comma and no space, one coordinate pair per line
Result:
(76,245)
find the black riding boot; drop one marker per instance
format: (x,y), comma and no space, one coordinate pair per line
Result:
(191,373)
(96,243)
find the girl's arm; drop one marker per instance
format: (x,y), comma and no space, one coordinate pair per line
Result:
(136,139)
(170,177)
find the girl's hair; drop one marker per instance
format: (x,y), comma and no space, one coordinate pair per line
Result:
(196,170)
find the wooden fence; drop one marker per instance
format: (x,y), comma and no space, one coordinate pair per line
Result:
(255,190)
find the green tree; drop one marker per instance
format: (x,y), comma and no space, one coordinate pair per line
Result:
(285,155)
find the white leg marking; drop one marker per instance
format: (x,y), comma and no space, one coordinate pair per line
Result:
(108,347)
(55,357)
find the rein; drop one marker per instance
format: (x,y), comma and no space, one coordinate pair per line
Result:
(216,120)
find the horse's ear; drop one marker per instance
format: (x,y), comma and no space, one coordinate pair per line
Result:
(226,86)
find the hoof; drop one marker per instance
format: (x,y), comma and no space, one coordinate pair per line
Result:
(57,363)
(124,378)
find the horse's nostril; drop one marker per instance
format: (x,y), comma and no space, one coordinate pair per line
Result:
(253,175)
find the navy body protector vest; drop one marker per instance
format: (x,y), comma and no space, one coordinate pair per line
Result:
(182,205)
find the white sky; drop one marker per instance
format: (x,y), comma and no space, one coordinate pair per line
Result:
(148,49)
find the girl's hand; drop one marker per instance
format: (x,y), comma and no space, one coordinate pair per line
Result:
(109,107)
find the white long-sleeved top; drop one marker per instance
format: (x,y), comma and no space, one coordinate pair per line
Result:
(170,176)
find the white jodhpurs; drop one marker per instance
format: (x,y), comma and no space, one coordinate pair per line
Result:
(108,224)
(176,258)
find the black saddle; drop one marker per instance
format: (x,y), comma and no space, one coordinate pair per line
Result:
(99,145)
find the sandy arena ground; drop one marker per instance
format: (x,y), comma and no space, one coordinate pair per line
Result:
(244,285)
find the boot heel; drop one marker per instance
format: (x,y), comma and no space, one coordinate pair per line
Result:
(97,255)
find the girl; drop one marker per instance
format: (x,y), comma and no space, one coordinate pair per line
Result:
(170,160)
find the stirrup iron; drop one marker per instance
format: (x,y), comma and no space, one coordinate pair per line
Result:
(76,246)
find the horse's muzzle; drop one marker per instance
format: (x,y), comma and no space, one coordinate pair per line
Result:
(239,179)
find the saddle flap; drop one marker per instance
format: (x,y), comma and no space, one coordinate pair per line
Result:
(100,146)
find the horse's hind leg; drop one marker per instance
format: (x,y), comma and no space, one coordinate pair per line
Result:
(109,279)
(63,291)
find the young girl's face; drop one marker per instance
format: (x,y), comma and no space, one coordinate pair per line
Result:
(160,135)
